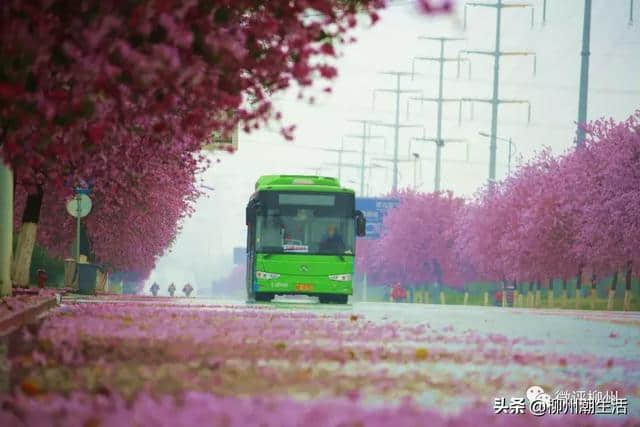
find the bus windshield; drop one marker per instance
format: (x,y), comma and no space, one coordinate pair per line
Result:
(306,223)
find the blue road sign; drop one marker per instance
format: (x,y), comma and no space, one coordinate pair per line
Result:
(374,210)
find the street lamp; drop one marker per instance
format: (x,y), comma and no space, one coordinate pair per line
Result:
(511,144)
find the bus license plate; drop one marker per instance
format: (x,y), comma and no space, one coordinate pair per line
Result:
(304,287)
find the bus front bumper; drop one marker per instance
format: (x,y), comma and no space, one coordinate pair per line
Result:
(304,285)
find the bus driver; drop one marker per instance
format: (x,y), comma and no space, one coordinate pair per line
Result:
(333,242)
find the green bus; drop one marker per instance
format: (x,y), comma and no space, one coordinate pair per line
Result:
(301,234)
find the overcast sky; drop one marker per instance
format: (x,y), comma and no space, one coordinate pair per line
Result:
(203,251)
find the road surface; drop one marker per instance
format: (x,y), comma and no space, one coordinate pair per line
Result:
(451,360)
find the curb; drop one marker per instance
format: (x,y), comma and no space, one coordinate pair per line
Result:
(12,323)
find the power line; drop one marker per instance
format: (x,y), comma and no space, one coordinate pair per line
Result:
(340,151)
(356,166)
(365,137)
(396,125)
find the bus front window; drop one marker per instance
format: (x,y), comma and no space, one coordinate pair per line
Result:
(305,222)
(305,233)
(269,234)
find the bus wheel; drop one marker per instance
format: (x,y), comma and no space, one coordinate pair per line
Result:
(324,299)
(264,297)
(333,299)
(340,299)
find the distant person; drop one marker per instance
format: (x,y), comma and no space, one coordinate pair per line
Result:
(333,243)
(398,293)
(154,289)
(187,289)
(172,289)
(498,298)
(42,277)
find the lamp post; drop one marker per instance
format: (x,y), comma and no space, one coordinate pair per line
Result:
(416,158)
(511,145)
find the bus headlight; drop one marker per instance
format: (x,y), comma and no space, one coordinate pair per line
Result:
(340,277)
(268,276)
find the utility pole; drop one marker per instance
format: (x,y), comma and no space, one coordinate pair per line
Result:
(497,53)
(510,152)
(368,182)
(396,125)
(364,137)
(511,147)
(317,170)
(439,100)
(340,151)
(416,158)
(6,227)
(393,160)
(440,142)
(584,72)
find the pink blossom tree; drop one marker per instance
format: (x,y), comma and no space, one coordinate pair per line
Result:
(609,166)
(558,216)
(417,245)
(544,221)
(78,78)
(99,71)
(86,77)
(132,222)
(481,230)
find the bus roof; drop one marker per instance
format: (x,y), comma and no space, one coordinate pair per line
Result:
(301,183)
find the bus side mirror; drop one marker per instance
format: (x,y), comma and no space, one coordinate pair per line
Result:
(361,224)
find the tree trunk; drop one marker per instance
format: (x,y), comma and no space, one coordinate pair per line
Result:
(578,288)
(27,238)
(612,291)
(530,299)
(538,293)
(627,287)
(564,292)
(594,287)
(6,228)
(550,301)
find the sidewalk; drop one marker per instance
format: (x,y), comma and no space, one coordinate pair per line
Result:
(24,307)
